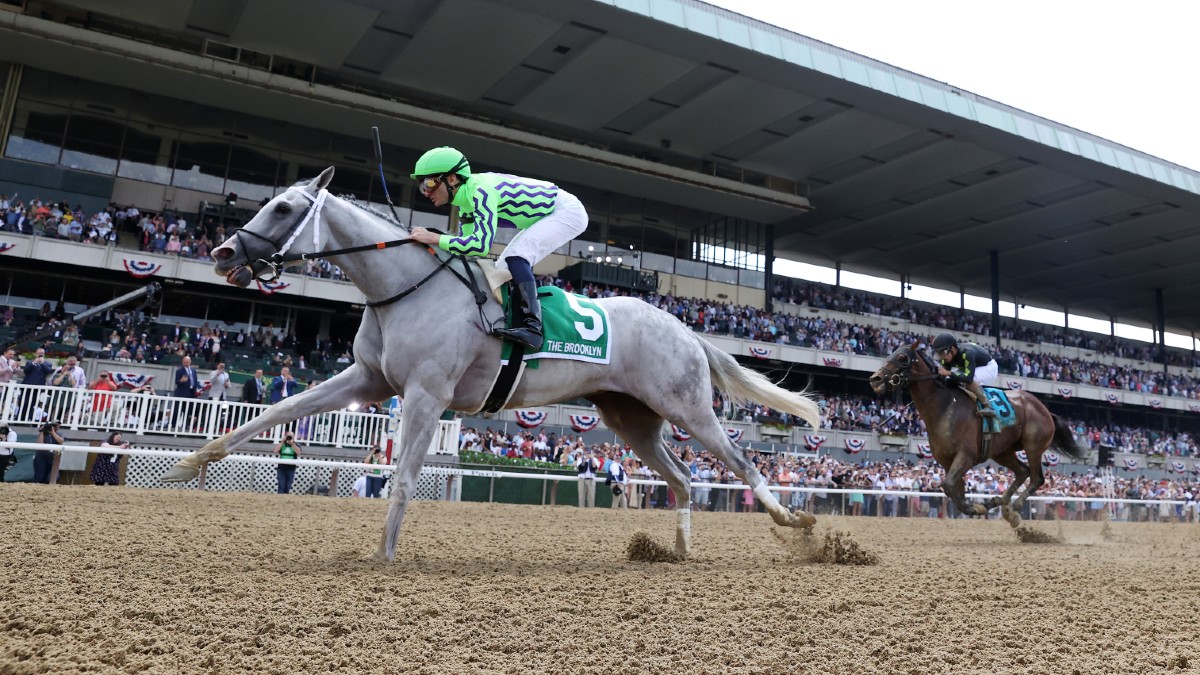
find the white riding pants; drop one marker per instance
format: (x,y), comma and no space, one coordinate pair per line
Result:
(568,220)
(987,374)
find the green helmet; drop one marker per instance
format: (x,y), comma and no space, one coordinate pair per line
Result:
(441,161)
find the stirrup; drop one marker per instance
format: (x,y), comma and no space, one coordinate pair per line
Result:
(521,336)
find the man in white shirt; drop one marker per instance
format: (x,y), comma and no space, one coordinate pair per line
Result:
(220,383)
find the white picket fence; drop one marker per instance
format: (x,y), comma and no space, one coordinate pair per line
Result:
(147,413)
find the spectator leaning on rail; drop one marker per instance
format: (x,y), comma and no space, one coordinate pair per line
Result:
(969,365)
(547,216)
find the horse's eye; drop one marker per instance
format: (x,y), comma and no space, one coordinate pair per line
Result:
(903,358)
(283,208)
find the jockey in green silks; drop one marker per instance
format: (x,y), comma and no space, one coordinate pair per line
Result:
(546,216)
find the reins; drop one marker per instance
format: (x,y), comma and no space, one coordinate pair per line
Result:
(280,258)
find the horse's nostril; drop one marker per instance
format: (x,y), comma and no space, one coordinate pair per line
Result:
(222,253)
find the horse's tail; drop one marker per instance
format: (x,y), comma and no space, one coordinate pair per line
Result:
(1064,439)
(745,385)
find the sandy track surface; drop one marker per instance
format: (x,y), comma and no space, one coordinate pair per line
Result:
(123,580)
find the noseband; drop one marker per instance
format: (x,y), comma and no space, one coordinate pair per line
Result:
(902,375)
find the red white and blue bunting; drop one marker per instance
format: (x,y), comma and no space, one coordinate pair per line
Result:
(1178,466)
(1112,397)
(530,418)
(205,385)
(833,361)
(734,435)
(1066,392)
(1131,463)
(1155,402)
(760,352)
(1014,385)
(271,288)
(1051,458)
(680,434)
(6,246)
(814,441)
(1023,457)
(855,445)
(141,269)
(130,380)
(1193,407)
(582,423)
(924,451)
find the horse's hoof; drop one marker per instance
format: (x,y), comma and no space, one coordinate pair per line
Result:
(802,520)
(1013,518)
(180,473)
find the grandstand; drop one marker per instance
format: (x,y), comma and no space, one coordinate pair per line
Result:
(125,159)
(742,178)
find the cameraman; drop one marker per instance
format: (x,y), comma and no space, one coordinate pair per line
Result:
(8,456)
(43,460)
(285,474)
(586,468)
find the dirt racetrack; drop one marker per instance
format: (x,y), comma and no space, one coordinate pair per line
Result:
(123,580)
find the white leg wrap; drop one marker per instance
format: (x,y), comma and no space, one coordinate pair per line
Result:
(684,518)
(764,495)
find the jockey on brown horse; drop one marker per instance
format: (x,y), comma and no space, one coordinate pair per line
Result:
(955,434)
(968,365)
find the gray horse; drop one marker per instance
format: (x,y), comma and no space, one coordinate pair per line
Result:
(431,348)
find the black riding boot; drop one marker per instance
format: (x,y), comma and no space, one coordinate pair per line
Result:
(982,397)
(527,317)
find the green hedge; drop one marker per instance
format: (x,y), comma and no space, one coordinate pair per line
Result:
(521,490)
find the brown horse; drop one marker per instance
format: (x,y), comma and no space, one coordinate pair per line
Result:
(956,435)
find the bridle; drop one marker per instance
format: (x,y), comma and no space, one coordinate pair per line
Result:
(900,375)
(312,213)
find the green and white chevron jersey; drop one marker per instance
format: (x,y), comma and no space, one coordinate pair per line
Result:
(487,200)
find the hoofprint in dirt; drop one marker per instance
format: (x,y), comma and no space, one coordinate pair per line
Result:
(123,580)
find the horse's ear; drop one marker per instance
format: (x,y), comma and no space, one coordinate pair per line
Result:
(321,182)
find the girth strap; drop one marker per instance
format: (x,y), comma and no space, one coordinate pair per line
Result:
(506,380)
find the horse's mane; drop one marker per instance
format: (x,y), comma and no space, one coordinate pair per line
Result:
(387,218)
(353,200)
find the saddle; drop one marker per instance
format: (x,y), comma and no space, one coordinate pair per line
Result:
(1005,417)
(496,278)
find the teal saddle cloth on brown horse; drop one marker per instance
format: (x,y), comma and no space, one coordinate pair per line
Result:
(1006,415)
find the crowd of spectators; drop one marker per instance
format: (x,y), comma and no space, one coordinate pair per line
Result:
(130,337)
(828,334)
(165,233)
(827,471)
(823,296)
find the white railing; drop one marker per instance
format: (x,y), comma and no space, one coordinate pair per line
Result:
(255,473)
(147,413)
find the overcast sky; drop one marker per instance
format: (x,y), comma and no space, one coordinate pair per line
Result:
(1123,71)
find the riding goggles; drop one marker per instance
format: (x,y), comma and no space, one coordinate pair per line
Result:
(429,183)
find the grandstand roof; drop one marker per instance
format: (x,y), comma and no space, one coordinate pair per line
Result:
(906,176)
